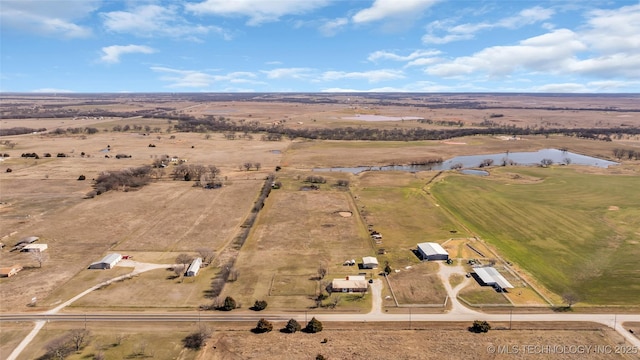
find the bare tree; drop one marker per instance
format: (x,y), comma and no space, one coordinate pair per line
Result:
(59,348)
(257,165)
(40,257)
(179,270)
(247,166)
(79,337)
(322,271)
(546,162)
(206,254)
(184,259)
(570,299)
(334,301)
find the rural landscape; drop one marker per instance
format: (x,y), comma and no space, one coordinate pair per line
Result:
(319,226)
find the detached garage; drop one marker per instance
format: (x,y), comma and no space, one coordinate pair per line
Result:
(107,262)
(432,251)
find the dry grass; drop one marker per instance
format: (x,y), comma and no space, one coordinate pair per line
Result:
(295,234)
(420,284)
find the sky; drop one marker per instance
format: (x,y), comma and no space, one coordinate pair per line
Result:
(95,46)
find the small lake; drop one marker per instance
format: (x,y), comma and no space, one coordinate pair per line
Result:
(475,161)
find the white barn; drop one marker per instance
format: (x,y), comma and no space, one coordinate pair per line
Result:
(352,283)
(432,251)
(194,267)
(490,276)
(369,262)
(107,262)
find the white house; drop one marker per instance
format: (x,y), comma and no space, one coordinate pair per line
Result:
(352,283)
(107,262)
(432,251)
(35,248)
(194,267)
(490,276)
(369,262)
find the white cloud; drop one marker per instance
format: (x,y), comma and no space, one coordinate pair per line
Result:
(332,27)
(370,76)
(612,31)
(562,88)
(467,31)
(383,9)
(52,90)
(111,54)
(293,73)
(200,79)
(154,20)
(50,18)
(258,11)
(386,55)
(550,52)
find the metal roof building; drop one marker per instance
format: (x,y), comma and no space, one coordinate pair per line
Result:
(107,262)
(369,262)
(491,276)
(194,267)
(432,251)
(35,247)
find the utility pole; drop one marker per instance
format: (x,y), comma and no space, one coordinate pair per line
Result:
(510,318)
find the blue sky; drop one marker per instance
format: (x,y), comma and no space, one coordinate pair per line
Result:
(320,45)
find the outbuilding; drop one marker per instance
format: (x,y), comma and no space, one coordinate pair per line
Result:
(194,268)
(352,283)
(490,276)
(35,248)
(432,251)
(107,262)
(369,262)
(10,271)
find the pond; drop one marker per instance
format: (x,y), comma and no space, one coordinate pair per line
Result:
(555,156)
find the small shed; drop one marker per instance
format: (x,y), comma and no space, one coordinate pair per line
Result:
(490,276)
(353,283)
(194,267)
(35,248)
(10,271)
(107,262)
(369,262)
(432,251)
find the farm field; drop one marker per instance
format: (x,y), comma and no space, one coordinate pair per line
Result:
(574,232)
(296,233)
(560,230)
(235,341)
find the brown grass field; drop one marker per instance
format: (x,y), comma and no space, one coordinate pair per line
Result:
(343,341)
(295,233)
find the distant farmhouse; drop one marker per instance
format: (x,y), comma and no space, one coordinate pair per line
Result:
(107,262)
(194,268)
(432,251)
(352,283)
(10,271)
(490,276)
(369,262)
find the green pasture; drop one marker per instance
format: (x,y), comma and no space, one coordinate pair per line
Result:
(574,232)
(404,214)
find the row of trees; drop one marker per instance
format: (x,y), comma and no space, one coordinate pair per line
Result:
(274,132)
(292,326)
(123,179)
(628,153)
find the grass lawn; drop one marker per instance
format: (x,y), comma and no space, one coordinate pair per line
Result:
(482,295)
(572,231)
